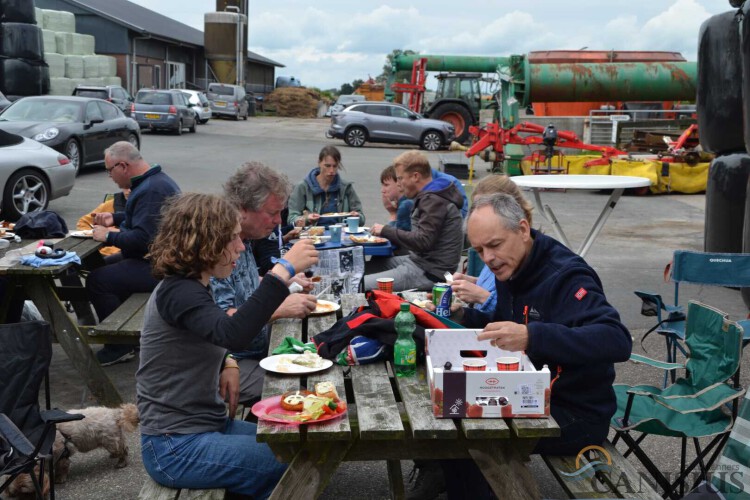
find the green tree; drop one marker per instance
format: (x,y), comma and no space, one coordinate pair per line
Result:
(356,83)
(346,89)
(388,66)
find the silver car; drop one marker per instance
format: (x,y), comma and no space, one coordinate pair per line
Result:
(31,174)
(388,122)
(201,106)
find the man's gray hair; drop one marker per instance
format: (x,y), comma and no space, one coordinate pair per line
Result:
(123,150)
(253,183)
(504,205)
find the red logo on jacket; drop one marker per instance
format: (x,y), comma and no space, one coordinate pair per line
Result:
(581,293)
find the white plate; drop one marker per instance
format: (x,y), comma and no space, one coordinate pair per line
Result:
(328,305)
(8,234)
(360,230)
(82,234)
(271,364)
(336,215)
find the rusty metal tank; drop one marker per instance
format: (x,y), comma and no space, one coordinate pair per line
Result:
(221,42)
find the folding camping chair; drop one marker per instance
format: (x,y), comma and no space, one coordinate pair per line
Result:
(701,268)
(691,408)
(26,432)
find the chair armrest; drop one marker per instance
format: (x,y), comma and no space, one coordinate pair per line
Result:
(637,358)
(56,416)
(14,436)
(708,399)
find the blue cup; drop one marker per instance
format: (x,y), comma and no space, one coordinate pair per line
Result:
(353,224)
(335,232)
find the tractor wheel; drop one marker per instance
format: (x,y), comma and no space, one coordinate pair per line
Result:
(456,115)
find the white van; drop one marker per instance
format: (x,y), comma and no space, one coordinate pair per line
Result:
(343,101)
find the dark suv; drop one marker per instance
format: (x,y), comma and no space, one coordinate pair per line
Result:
(112,93)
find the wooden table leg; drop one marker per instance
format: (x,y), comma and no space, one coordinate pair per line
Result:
(41,291)
(311,470)
(395,479)
(503,466)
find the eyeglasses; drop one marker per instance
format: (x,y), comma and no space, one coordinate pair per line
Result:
(118,164)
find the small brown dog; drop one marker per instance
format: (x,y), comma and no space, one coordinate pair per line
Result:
(23,488)
(102,428)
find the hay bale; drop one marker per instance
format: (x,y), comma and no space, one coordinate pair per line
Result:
(112,80)
(61,86)
(294,102)
(56,63)
(50,41)
(84,44)
(74,67)
(107,66)
(58,20)
(98,82)
(91,67)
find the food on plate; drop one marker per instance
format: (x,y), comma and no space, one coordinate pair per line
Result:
(335,214)
(367,239)
(325,307)
(294,400)
(308,359)
(326,390)
(421,303)
(316,231)
(7,225)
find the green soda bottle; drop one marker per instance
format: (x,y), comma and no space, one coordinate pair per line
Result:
(405,350)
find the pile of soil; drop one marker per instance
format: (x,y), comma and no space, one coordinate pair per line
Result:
(293,102)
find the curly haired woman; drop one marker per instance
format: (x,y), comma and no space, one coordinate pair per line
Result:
(188,441)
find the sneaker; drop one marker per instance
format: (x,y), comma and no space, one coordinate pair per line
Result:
(428,481)
(113,354)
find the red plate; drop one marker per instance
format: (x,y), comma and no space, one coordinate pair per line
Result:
(270,410)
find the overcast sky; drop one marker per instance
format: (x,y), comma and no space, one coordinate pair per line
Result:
(337,41)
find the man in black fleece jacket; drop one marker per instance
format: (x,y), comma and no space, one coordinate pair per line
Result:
(550,304)
(128,272)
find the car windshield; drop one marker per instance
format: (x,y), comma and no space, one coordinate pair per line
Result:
(99,94)
(221,90)
(43,110)
(157,98)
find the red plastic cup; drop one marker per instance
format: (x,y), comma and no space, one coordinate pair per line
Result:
(475,365)
(508,364)
(385,284)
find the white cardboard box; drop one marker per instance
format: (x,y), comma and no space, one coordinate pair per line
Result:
(456,393)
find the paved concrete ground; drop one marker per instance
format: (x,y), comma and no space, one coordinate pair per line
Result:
(630,254)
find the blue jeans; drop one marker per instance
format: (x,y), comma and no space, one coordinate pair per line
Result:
(231,459)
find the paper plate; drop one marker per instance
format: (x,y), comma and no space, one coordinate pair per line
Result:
(82,234)
(337,214)
(270,410)
(377,240)
(325,307)
(277,364)
(8,234)
(360,230)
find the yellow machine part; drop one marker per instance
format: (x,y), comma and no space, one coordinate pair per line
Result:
(665,177)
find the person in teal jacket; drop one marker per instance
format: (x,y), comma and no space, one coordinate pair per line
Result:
(324,191)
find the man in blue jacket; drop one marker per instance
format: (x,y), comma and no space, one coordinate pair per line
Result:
(550,304)
(129,271)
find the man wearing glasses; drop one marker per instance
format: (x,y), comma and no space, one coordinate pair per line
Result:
(128,272)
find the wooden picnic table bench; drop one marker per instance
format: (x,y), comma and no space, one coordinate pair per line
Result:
(389,418)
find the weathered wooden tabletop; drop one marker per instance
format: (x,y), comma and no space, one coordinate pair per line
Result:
(389,418)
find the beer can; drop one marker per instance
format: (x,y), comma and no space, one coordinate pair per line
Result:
(441,297)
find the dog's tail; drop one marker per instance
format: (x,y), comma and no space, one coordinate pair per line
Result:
(129,418)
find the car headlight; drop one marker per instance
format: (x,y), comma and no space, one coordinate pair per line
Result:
(47,135)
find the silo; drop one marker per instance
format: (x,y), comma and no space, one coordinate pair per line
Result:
(224,45)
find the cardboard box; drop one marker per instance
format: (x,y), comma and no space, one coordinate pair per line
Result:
(456,393)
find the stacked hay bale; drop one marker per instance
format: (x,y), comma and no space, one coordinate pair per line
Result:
(71,56)
(294,102)
(22,68)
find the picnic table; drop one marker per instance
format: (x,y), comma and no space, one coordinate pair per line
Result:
(389,418)
(44,287)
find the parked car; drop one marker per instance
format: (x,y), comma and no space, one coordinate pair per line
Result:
(81,128)
(115,94)
(168,109)
(200,103)
(388,122)
(31,174)
(4,102)
(227,100)
(343,101)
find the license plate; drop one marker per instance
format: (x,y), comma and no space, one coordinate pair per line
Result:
(151,116)
(221,103)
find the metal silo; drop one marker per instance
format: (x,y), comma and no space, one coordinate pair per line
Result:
(225,45)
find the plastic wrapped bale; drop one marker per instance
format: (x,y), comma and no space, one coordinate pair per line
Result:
(49,41)
(17,11)
(94,81)
(107,66)
(19,77)
(74,67)
(91,67)
(719,91)
(61,86)
(58,20)
(64,42)
(83,45)
(39,16)
(725,203)
(21,41)
(112,80)
(56,63)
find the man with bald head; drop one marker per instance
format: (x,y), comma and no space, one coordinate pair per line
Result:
(129,271)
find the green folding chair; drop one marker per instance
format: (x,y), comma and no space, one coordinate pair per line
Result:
(693,406)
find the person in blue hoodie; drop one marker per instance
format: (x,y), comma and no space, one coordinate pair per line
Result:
(324,191)
(436,237)
(550,304)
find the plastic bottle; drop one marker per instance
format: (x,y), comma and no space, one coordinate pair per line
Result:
(405,350)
